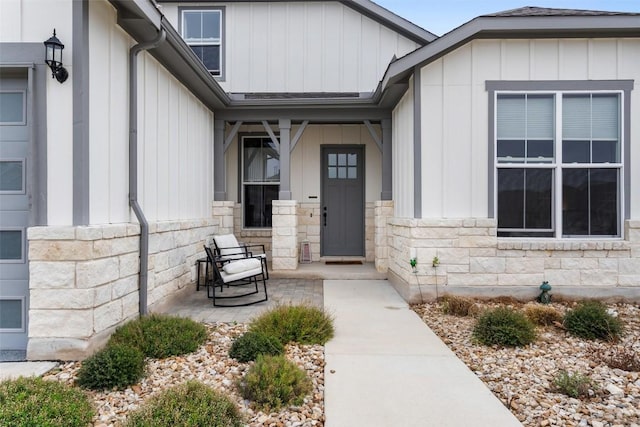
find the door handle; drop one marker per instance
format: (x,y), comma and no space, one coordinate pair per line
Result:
(324,216)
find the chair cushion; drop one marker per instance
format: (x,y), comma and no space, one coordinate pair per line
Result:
(241,265)
(224,241)
(229,278)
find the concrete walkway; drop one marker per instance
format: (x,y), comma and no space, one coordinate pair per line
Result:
(385,367)
(13,370)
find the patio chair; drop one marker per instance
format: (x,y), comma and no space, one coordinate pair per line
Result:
(239,275)
(227,246)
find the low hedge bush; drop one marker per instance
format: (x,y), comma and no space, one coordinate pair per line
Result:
(591,321)
(191,404)
(290,323)
(504,326)
(116,366)
(31,402)
(160,336)
(273,382)
(248,346)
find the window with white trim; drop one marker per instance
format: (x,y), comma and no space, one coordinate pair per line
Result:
(202,30)
(559,164)
(260,180)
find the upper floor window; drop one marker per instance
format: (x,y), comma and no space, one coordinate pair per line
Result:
(559,164)
(202,30)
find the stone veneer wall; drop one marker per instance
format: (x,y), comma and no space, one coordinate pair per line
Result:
(250,236)
(83,281)
(473,261)
(224,212)
(285,235)
(309,216)
(382,213)
(369,232)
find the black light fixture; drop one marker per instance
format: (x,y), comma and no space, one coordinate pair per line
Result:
(53,58)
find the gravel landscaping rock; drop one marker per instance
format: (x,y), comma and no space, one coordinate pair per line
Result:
(523,378)
(211,365)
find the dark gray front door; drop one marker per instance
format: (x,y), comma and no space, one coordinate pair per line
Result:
(14,211)
(342,200)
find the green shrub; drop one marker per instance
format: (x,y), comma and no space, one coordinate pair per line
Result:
(302,324)
(456,305)
(503,326)
(160,336)
(590,320)
(273,382)
(115,366)
(573,384)
(30,402)
(191,404)
(248,346)
(543,315)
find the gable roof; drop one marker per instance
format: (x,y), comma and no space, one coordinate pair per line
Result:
(391,20)
(366,7)
(545,11)
(142,23)
(526,22)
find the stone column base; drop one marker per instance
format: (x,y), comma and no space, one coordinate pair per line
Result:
(284,235)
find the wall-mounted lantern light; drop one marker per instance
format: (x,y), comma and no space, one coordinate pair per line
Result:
(53,58)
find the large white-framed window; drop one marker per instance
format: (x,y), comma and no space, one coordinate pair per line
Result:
(260,180)
(202,29)
(559,163)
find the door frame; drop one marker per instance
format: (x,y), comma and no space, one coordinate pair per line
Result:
(323,149)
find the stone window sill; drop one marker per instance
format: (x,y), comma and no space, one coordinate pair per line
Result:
(563,245)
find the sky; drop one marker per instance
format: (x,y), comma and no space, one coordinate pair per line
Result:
(442,16)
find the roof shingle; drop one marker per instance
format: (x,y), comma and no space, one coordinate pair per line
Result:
(544,11)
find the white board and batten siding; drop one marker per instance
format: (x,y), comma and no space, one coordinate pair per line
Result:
(403,156)
(175,134)
(305,159)
(302,47)
(33,22)
(455,110)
